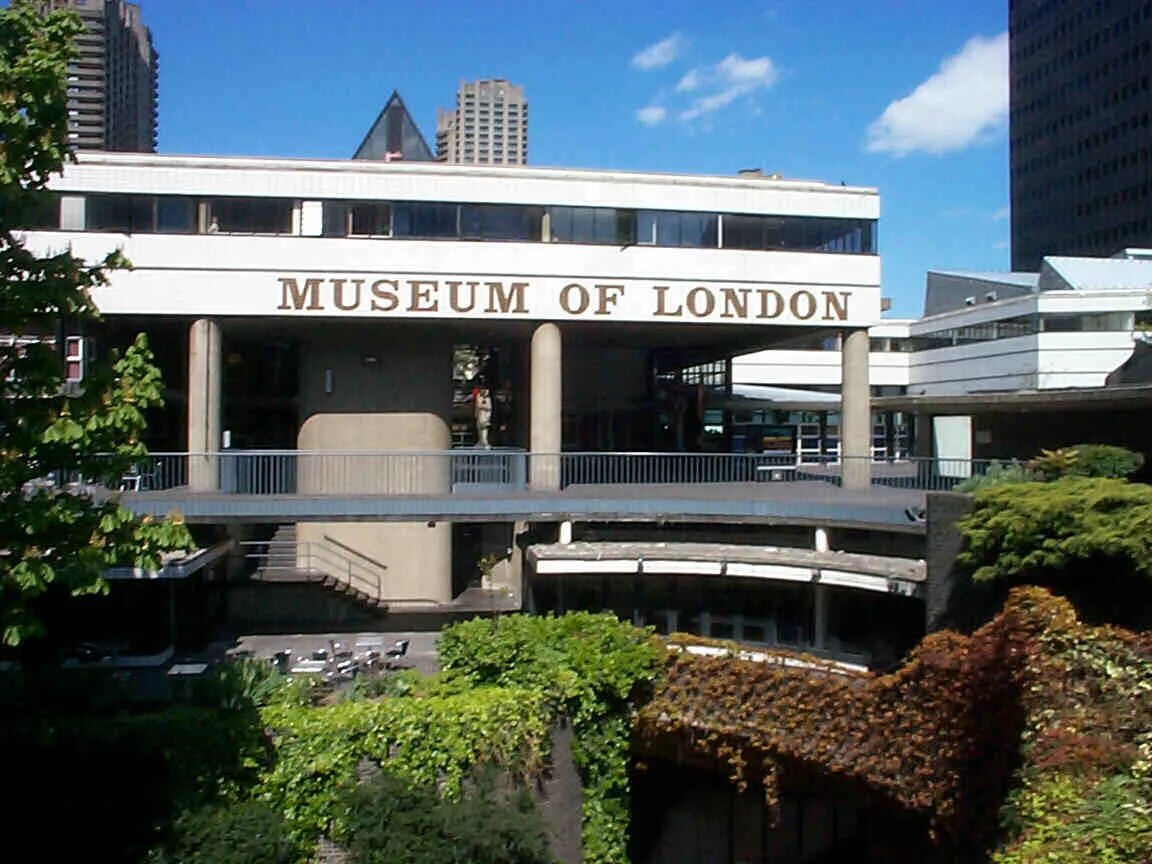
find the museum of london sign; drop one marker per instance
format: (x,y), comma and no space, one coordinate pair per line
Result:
(560,299)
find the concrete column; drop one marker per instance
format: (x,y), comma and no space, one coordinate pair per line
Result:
(204,404)
(546,374)
(565,533)
(820,617)
(855,411)
(820,541)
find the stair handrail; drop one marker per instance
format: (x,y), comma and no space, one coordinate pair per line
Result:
(315,551)
(356,553)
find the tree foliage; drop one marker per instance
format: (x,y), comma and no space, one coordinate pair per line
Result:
(61,447)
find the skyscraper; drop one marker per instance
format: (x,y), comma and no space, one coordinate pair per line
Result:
(489,125)
(112,85)
(1081,146)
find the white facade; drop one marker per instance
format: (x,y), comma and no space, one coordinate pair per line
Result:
(296,272)
(1069,326)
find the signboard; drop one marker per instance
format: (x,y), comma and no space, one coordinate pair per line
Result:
(430,296)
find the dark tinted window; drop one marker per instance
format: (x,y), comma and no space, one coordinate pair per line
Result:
(500,222)
(592,225)
(799,233)
(370,219)
(424,220)
(175,215)
(672,228)
(126,213)
(252,215)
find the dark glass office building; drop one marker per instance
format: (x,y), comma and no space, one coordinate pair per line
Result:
(1081,162)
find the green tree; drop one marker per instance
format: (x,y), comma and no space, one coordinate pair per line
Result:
(52,536)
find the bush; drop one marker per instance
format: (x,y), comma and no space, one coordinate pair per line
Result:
(998,473)
(392,819)
(1106,460)
(244,833)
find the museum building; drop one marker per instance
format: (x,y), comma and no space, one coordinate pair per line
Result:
(371,309)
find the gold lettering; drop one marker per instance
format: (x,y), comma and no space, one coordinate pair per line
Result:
(764,294)
(582,298)
(836,308)
(454,296)
(809,305)
(701,310)
(422,294)
(307,297)
(338,294)
(661,307)
(387,295)
(499,301)
(609,294)
(735,302)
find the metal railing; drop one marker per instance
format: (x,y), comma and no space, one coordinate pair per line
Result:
(316,559)
(385,473)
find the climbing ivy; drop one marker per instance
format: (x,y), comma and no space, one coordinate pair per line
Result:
(435,740)
(1034,708)
(593,671)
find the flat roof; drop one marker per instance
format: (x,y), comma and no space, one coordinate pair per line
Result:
(372,167)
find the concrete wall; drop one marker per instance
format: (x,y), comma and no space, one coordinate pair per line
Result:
(378,388)
(945,509)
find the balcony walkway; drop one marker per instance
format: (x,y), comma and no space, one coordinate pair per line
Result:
(797,502)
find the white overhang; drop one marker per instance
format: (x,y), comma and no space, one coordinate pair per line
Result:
(430,181)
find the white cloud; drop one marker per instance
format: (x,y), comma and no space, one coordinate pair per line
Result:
(653,115)
(689,82)
(660,53)
(964,103)
(1000,244)
(723,83)
(1001,214)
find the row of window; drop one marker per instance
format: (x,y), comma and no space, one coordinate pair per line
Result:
(431,220)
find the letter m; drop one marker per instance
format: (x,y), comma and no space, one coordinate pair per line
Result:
(295,297)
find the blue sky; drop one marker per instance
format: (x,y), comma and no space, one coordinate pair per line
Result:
(906,95)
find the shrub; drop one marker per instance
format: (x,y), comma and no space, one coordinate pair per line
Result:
(998,473)
(392,819)
(1106,460)
(248,832)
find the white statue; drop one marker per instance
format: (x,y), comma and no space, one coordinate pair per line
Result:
(483,409)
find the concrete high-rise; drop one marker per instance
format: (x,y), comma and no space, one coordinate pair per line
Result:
(1081,146)
(489,125)
(112,84)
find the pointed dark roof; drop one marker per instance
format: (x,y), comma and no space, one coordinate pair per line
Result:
(394,132)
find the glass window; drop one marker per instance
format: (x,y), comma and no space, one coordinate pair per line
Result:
(424,220)
(126,213)
(175,215)
(500,222)
(335,219)
(671,228)
(799,233)
(370,219)
(591,225)
(43,212)
(252,215)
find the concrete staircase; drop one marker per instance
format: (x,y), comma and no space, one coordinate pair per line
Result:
(284,559)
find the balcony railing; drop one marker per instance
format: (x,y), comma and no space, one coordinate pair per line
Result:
(422,473)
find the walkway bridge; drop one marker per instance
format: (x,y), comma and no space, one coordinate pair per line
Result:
(474,485)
